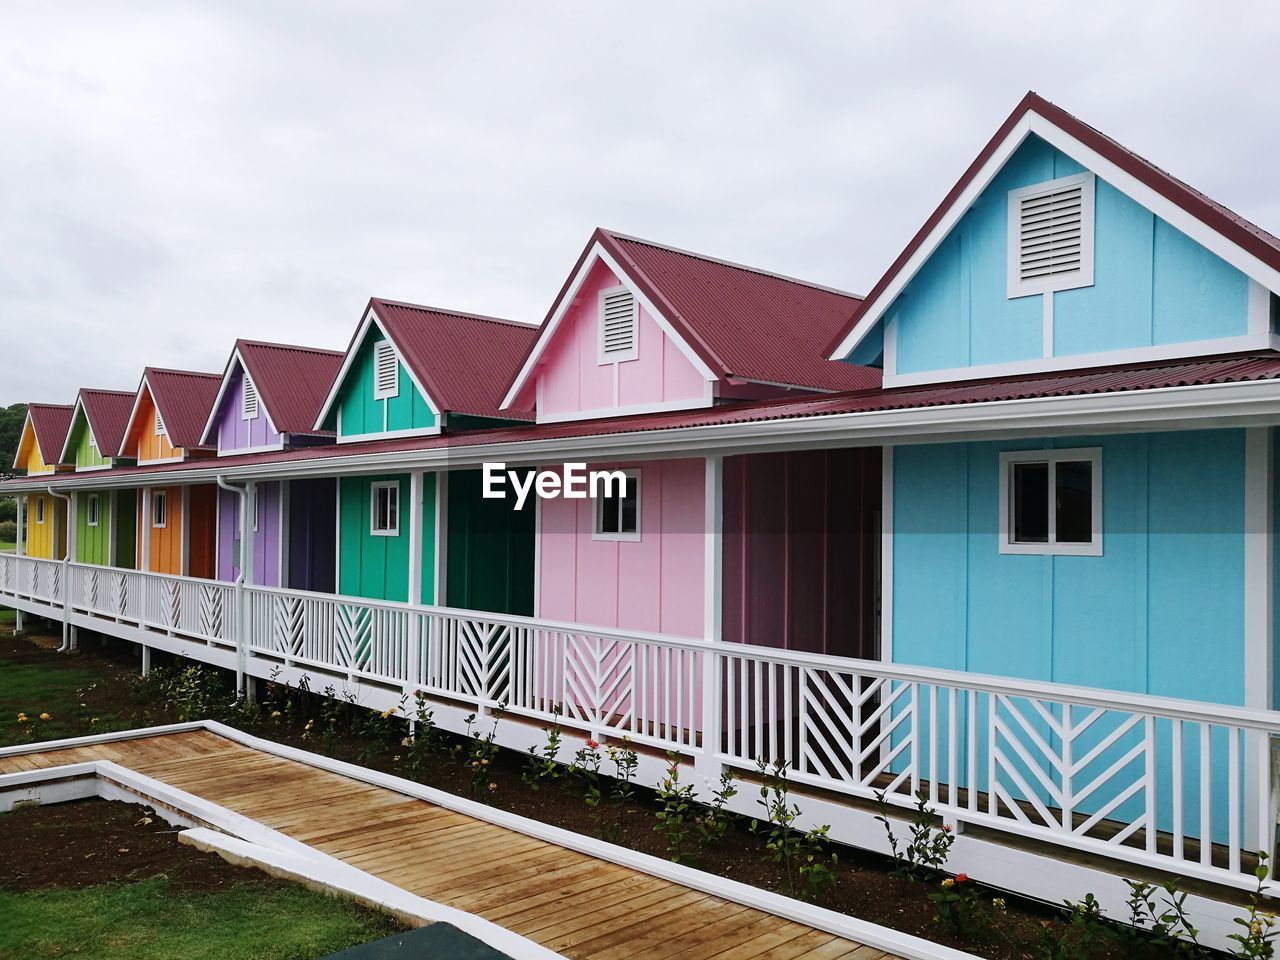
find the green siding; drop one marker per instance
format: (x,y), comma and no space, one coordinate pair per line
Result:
(86,455)
(93,544)
(378,567)
(490,549)
(359,414)
(126,529)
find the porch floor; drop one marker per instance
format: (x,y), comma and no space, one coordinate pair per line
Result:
(569,902)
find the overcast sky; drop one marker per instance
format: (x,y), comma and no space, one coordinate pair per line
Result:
(174,175)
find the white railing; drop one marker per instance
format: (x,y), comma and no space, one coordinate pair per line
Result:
(1174,784)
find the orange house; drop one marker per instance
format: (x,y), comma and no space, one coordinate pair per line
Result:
(177,525)
(44,519)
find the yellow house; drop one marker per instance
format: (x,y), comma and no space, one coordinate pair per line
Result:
(44,527)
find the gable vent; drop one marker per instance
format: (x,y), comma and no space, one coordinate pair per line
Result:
(249,400)
(618,318)
(1051,236)
(159,424)
(386,371)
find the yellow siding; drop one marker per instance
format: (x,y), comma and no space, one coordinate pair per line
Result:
(46,540)
(32,462)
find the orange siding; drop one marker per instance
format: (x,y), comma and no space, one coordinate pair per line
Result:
(149,444)
(165,543)
(202,540)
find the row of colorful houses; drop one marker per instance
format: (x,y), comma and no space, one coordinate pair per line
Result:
(1042,447)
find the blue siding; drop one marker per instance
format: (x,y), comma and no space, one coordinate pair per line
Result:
(1152,284)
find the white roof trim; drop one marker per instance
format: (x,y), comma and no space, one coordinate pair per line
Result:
(1033,123)
(78,407)
(370,318)
(598,254)
(232,361)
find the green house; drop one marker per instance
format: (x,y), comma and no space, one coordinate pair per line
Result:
(105,520)
(429,536)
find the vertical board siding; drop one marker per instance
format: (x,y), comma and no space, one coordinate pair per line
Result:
(1152,286)
(93,544)
(165,543)
(377,567)
(46,541)
(86,456)
(150,445)
(312,535)
(653,584)
(359,414)
(801,548)
(235,433)
(572,380)
(125,524)
(266,539)
(490,549)
(202,538)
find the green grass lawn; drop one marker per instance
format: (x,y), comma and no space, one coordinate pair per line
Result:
(146,921)
(7,547)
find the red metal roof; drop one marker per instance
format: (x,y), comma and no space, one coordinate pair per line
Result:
(1237,229)
(744,323)
(50,421)
(292,381)
(108,414)
(1100,380)
(464,361)
(184,399)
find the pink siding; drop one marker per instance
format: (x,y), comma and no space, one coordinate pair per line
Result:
(235,433)
(652,584)
(572,381)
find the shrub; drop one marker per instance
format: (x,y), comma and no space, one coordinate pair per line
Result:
(9,531)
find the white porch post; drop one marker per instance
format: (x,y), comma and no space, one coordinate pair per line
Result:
(415,581)
(1258,638)
(184,562)
(706,764)
(144,530)
(20,549)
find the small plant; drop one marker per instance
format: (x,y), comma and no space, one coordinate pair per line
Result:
(194,692)
(625,763)
(586,765)
(482,751)
(925,852)
(802,856)
(715,822)
(543,766)
(425,739)
(675,816)
(1084,934)
(960,906)
(1258,928)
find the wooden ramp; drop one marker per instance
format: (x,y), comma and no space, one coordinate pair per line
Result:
(570,902)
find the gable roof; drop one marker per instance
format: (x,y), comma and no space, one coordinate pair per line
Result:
(183,398)
(741,322)
(1245,245)
(292,383)
(49,425)
(462,362)
(107,412)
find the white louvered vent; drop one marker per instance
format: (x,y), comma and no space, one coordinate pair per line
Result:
(249,401)
(618,321)
(1051,236)
(386,371)
(159,424)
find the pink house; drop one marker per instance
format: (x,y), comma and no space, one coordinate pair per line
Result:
(644,329)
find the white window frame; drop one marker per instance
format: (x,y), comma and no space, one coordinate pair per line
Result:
(39,511)
(374,488)
(159,498)
(1063,281)
(249,411)
(1008,459)
(602,358)
(380,347)
(632,475)
(91,510)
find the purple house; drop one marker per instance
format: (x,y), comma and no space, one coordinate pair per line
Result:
(269,398)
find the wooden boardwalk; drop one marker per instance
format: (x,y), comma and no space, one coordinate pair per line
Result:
(570,902)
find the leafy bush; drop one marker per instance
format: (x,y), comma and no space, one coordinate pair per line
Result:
(8,531)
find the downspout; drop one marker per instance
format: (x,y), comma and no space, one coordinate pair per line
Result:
(240,619)
(66,571)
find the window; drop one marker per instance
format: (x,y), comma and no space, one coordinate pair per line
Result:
(91,510)
(618,321)
(385,509)
(386,371)
(1051,502)
(39,509)
(617,512)
(159,509)
(1051,236)
(248,400)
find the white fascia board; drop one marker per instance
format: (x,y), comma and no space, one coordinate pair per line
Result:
(1136,190)
(598,254)
(235,360)
(77,407)
(1251,403)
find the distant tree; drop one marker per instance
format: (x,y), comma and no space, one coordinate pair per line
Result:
(8,510)
(11,420)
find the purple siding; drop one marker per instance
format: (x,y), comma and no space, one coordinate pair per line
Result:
(235,433)
(266,539)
